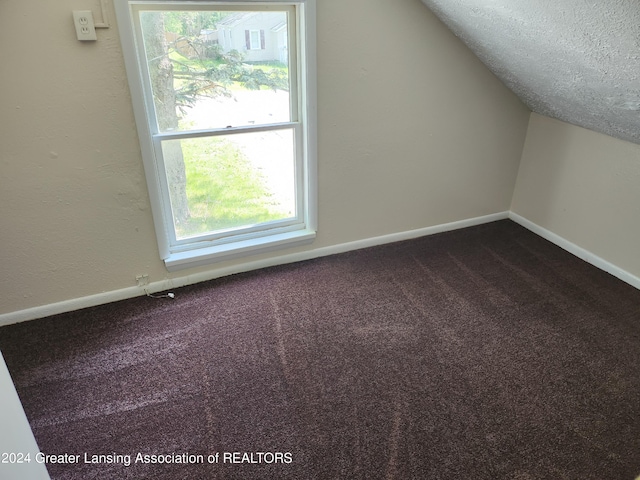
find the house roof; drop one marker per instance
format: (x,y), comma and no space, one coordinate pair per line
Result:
(236,18)
(279,26)
(573,60)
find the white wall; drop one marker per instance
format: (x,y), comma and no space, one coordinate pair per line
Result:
(584,187)
(413,132)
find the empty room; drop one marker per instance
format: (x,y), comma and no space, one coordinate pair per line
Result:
(320,239)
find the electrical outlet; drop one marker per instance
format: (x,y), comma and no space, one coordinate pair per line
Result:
(85,28)
(143,280)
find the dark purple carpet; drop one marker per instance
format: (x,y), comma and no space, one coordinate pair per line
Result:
(484,353)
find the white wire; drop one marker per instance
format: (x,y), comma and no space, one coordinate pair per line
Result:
(166,295)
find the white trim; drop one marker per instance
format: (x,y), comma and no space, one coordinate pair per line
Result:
(17,437)
(140,112)
(579,252)
(130,292)
(308,91)
(227,251)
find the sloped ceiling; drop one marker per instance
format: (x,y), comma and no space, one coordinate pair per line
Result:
(574,60)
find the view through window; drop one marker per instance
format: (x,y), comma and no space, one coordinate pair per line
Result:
(232,180)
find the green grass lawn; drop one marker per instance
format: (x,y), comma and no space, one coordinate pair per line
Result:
(223,189)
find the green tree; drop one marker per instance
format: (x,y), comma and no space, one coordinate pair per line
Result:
(161,76)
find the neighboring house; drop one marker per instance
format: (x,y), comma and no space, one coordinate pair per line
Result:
(259,36)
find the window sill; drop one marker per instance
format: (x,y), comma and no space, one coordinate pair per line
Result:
(229,251)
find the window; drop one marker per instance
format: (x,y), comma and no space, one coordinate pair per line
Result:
(255,39)
(228,141)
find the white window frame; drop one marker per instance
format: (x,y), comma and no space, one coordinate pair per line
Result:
(206,249)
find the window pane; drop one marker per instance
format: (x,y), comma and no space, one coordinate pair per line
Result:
(215,69)
(255,40)
(230,181)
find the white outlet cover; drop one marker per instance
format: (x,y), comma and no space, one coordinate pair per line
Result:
(85,27)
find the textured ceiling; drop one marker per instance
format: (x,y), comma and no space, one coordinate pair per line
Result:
(574,60)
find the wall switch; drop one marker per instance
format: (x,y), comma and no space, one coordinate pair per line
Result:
(85,28)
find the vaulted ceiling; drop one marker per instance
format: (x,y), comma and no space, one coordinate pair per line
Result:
(574,60)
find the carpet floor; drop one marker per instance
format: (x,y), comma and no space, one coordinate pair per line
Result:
(484,353)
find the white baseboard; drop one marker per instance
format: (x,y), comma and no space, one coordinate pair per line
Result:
(579,252)
(168,284)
